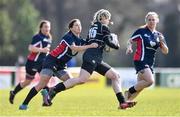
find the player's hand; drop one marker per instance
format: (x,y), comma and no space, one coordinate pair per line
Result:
(161,38)
(129,50)
(94,45)
(45,50)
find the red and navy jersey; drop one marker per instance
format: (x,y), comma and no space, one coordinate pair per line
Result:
(63,52)
(39,40)
(147,43)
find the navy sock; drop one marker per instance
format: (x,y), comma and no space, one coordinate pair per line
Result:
(120,97)
(132,90)
(30,95)
(17,89)
(59,87)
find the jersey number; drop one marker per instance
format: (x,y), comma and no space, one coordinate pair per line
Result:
(93,32)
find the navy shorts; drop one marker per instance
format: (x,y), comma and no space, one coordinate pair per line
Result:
(50,62)
(140,65)
(52,68)
(32,67)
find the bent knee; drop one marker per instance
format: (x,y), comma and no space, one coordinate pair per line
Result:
(114,76)
(149,83)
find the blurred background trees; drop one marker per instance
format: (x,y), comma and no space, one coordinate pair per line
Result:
(19,22)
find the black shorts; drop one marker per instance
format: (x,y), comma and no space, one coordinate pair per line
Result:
(140,65)
(33,67)
(91,64)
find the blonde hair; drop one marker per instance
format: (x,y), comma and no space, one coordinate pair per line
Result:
(101,13)
(151,13)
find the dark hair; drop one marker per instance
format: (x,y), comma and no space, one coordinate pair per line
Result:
(71,23)
(41,25)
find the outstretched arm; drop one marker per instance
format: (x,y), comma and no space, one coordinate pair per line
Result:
(84,47)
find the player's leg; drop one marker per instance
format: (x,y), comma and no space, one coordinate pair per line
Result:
(86,71)
(147,80)
(83,77)
(28,79)
(107,71)
(45,75)
(62,75)
(130,97)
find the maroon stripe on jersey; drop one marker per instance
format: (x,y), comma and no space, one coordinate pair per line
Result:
(59,49)
(138,53)
(32,56)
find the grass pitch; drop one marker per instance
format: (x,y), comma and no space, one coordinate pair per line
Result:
(94,102)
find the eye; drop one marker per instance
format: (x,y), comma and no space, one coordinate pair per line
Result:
(151,19)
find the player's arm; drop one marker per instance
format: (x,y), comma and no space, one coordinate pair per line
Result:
(35,49)
(110,39)
(135,36)
(83,47)
(163,45)
(33,46)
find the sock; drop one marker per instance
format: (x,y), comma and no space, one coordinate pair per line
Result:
(47,88)
(132,90)
(120,97)
(59,87)
(17,89)
(30,95)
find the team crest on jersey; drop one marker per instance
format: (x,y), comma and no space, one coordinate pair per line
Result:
(152,43)
(157,39)
(46,40)
(93,61)
(146,35)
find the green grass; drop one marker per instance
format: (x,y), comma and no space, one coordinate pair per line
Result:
(95,102)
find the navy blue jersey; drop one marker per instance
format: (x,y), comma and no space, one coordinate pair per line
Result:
(147,44)
(63,52)
(41,41)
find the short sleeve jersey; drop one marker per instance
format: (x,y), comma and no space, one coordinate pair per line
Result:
(147,43)
(41,41)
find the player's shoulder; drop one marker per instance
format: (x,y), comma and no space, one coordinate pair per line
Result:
(68,35)
(36,35)
(105,28)
(158,32)
(140,30)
